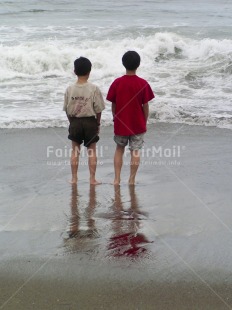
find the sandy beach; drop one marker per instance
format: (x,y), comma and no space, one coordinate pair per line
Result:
(163,244)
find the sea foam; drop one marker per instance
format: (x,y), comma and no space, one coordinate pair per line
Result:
(191,77)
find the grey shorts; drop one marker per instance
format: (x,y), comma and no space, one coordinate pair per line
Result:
(135,141)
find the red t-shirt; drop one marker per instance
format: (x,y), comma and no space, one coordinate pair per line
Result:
(129,93)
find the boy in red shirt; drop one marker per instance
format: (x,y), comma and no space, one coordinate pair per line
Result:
(129,95)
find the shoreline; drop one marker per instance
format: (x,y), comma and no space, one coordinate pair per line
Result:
(110,125)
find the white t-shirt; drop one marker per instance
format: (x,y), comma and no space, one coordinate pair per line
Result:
(83,100)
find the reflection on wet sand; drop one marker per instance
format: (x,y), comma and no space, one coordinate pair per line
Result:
(120,227)
(126,239)
(82,226)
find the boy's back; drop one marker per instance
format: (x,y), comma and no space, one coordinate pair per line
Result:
(83,104)
(129,93)
(83,100)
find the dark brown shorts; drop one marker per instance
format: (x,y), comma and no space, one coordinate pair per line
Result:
(83,129)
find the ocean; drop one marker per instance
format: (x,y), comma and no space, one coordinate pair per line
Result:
(185,48)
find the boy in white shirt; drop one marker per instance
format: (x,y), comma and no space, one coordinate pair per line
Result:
(83,104)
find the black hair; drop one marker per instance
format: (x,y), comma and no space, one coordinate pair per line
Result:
(131,60)
(82,66)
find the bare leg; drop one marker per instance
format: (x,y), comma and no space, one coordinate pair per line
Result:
(118,161)
(92,163)
(134,165)
(74,161)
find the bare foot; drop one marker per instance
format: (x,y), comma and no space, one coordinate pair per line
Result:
(95,182)
(131,181)
(73,181)
(116,182)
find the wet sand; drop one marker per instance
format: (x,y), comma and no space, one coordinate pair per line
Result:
(163,244)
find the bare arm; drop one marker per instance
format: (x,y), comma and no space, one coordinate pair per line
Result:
(113,109)
(68,117)
(98,122)
(146,111)
(99,118)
